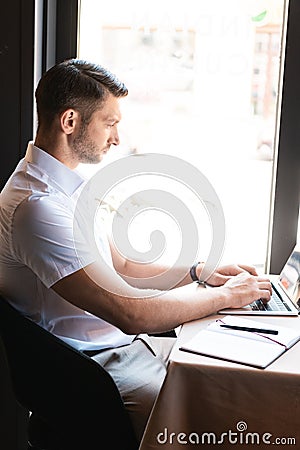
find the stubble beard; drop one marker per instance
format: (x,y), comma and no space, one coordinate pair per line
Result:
(85,150)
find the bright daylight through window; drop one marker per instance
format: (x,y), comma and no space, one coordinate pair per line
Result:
(203,80)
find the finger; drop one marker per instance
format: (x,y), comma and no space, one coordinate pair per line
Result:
(265,285)
(265,295)
(250,269)
(263,279)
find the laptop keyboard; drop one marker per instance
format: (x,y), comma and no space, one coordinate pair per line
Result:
(275,304)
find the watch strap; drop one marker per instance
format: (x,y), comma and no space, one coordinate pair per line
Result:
(193,271)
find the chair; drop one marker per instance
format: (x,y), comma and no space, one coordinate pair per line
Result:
(74,403)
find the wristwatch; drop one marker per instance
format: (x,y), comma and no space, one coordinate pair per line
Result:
(193,272)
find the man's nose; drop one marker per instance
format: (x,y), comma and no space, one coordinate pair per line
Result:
(114,137)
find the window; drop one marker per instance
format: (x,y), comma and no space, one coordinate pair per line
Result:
(203,81)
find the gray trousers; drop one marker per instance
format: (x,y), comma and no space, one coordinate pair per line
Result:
(138,370)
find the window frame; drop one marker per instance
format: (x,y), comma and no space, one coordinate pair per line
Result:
(285,196)
(59,41)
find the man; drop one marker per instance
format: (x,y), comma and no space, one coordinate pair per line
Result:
(41,274)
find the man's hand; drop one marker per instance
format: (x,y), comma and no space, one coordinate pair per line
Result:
(245,288)
(224,273)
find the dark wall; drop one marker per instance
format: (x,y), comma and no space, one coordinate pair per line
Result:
(16,81)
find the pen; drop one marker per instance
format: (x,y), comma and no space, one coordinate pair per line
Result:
(251,329)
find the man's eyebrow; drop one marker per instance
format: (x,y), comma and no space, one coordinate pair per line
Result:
(112,118)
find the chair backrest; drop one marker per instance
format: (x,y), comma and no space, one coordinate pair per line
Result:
(65,388)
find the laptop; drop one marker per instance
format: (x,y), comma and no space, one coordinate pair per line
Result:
(285,300)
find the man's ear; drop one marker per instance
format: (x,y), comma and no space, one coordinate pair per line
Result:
(68,120)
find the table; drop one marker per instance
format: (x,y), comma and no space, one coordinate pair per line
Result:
(209,403)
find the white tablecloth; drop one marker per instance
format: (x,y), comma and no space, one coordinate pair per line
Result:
(209,403)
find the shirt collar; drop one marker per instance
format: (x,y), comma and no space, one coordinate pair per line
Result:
(64,177)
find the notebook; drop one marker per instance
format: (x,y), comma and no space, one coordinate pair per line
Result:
(285,299)
(249,348)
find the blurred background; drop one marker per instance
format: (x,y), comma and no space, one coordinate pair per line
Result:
(203,80)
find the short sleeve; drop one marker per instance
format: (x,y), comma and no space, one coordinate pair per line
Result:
(43,239)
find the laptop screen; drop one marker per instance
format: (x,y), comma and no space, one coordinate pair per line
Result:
(290,276)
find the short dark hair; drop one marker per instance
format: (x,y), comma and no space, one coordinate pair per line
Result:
(76,84)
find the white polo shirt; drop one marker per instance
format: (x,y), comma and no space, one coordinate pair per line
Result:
(37,249)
